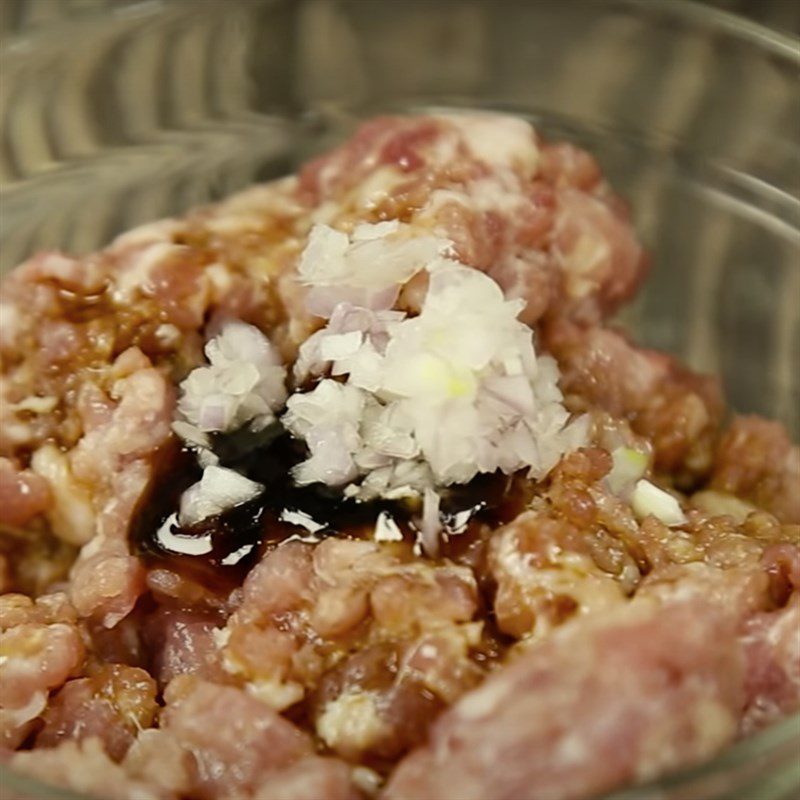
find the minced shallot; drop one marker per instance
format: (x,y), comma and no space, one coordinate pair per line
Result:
(417,403)
(340,268)
(403,406)
(218,490)
(243,384)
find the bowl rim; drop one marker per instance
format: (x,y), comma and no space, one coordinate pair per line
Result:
(778,42)
(782,43)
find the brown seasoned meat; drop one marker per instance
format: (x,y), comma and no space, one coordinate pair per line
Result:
(569,555)
(677,410)
(545,574)
(757,461)
(579,549)
(65,320)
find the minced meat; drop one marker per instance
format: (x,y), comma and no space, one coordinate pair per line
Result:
(517,634)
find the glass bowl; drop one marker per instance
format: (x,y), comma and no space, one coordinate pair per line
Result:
(693,113)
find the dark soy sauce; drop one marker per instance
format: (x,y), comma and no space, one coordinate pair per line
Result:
(240,536)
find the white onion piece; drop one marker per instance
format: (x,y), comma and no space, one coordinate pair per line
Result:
(376,256)
(455,391)
(244,384)
(374,230)
(321,301)
(341,345)
(301,519)
(191,434)
(648,500)
(218,490)
(365,269)
(386,529)
(628,466)
(431,524)
(328,418)
(363,365)
(184,544)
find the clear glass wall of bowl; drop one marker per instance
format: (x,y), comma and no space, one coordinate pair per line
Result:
(119,112)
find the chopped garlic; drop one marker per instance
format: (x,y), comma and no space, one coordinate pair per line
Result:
(648,500)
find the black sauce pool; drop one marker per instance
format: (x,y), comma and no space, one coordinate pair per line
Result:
(240,536)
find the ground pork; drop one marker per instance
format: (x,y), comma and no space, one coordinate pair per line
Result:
(581,550)
(538,218)
(678,411)
(85,767)
(374,638)
(627,648)
(603,701)
(757,461)
(243,749)
(114,704)
(40,647)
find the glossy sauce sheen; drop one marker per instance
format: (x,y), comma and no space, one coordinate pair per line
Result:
(243,534)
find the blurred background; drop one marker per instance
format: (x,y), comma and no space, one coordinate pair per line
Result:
(115,112)
(20,15)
